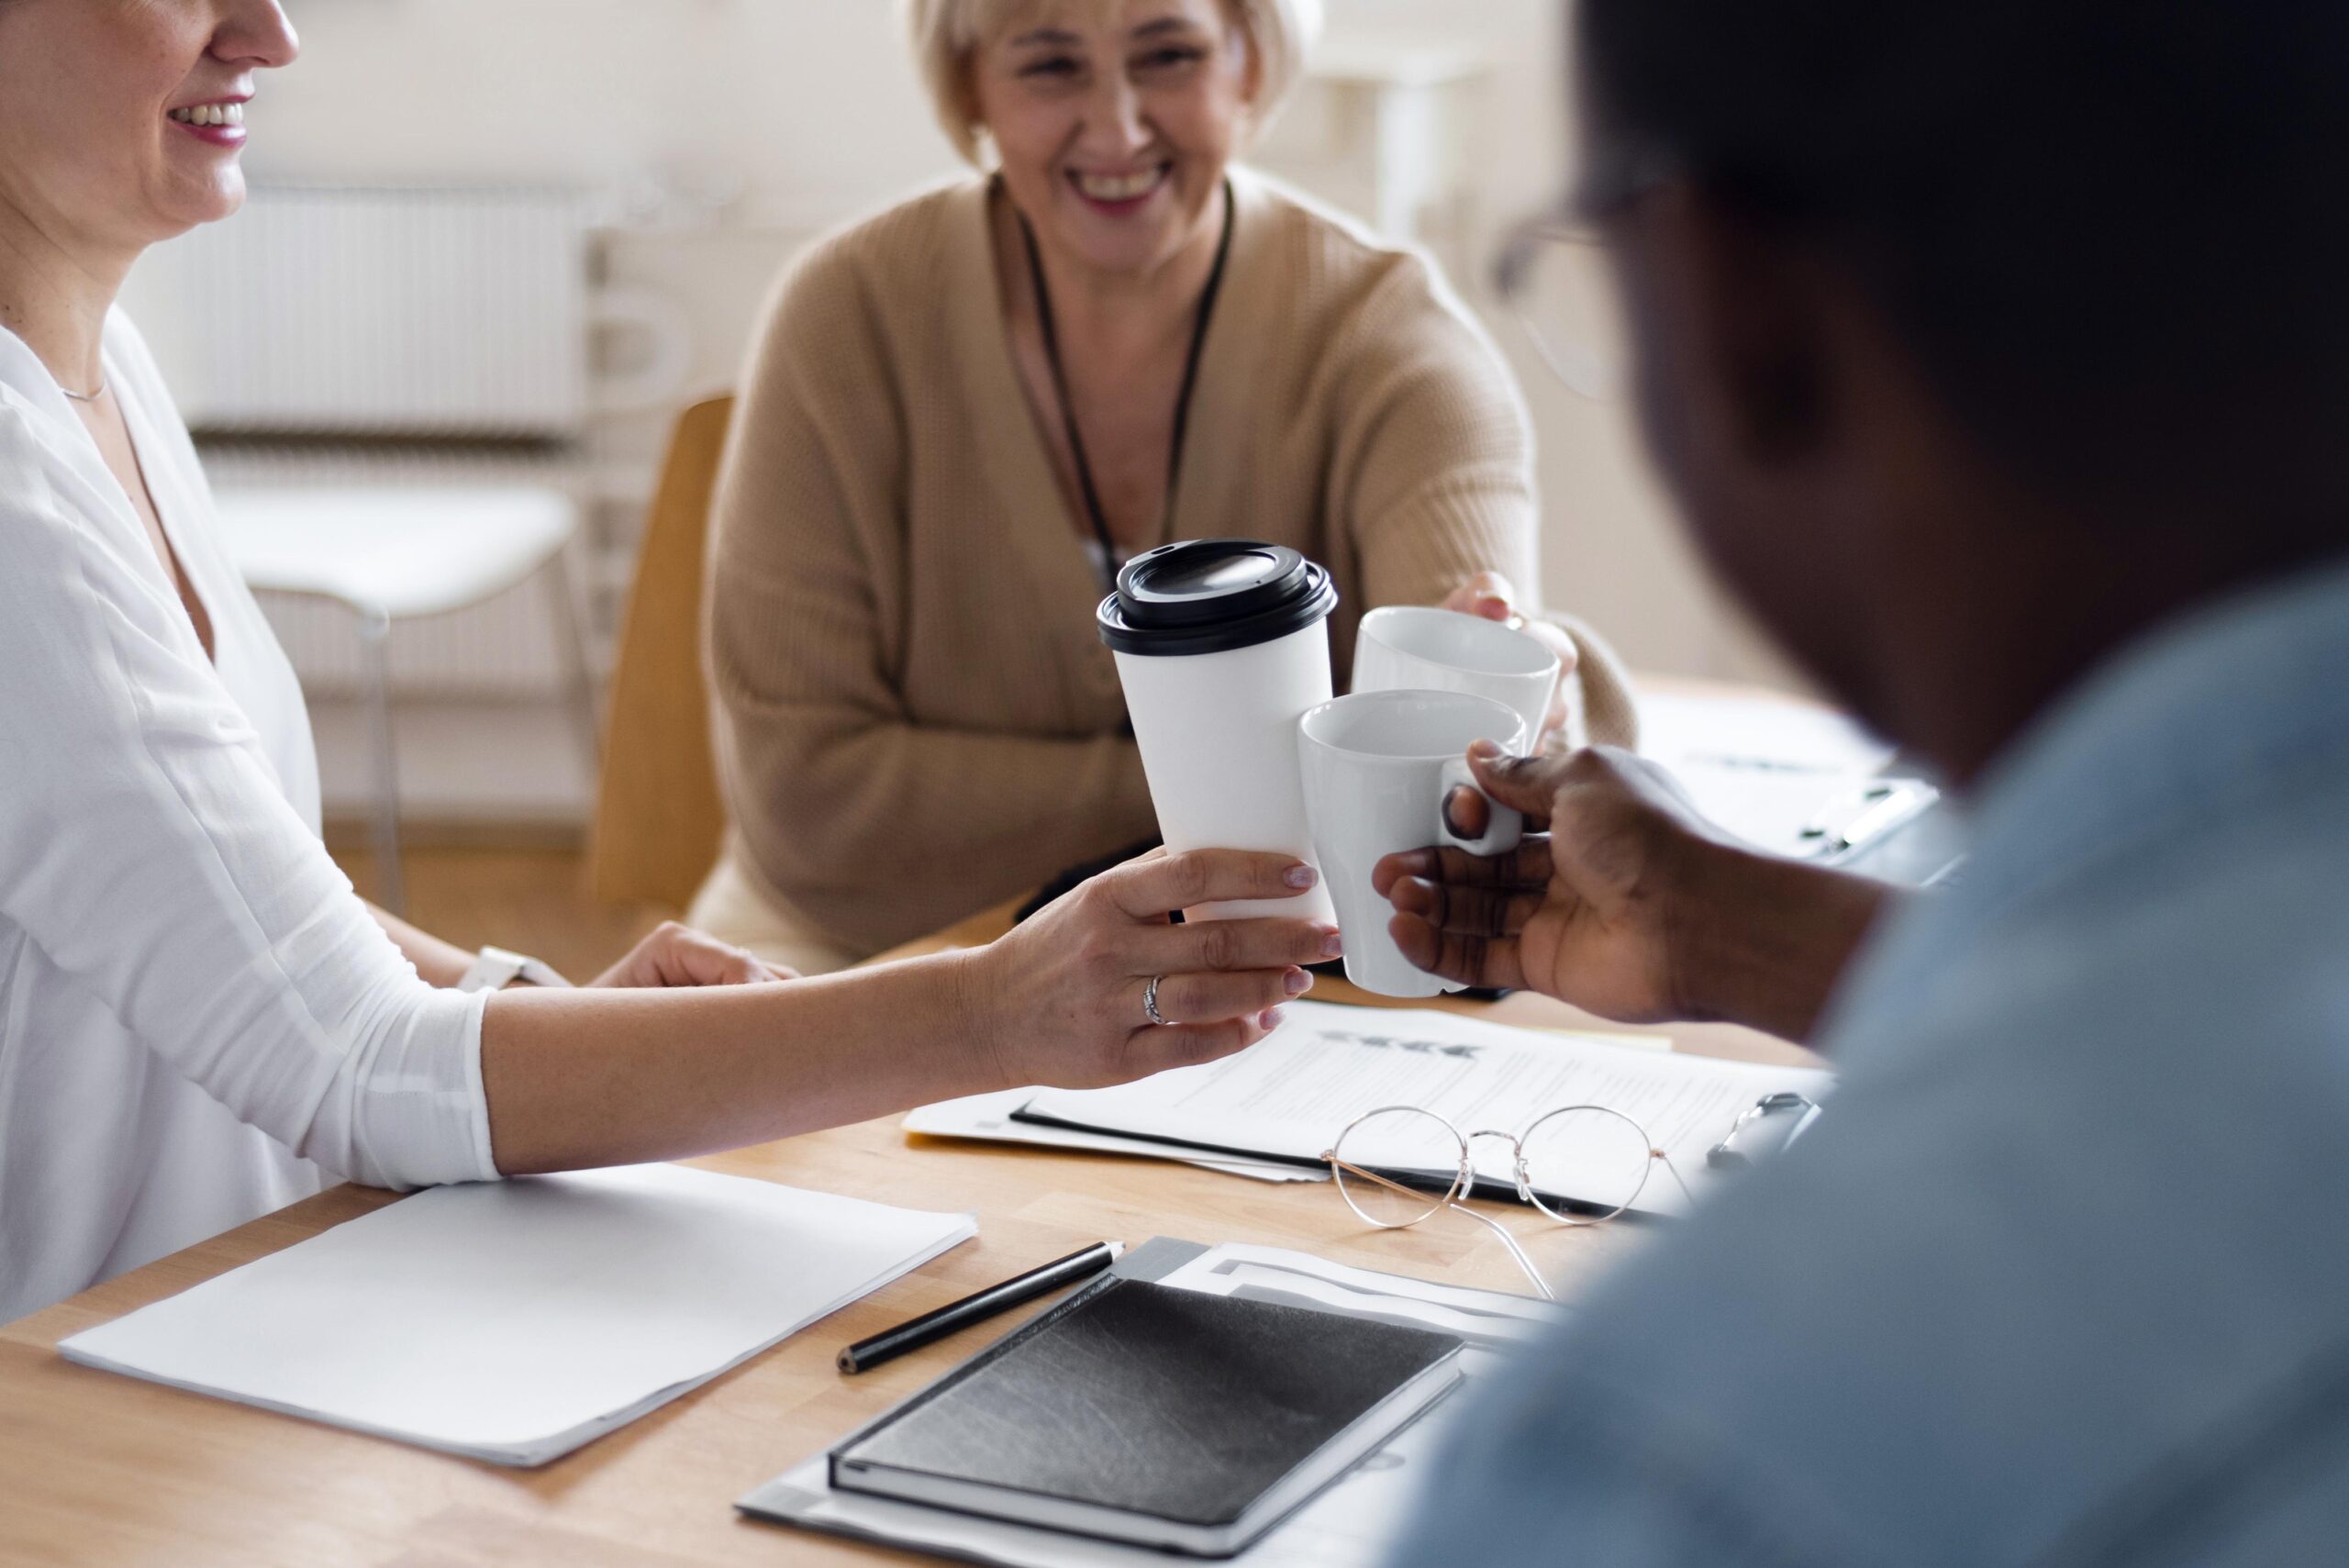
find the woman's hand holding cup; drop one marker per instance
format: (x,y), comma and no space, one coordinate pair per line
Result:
(1065,998)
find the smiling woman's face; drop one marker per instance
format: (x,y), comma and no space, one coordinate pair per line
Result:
(121,121)
(1114,122)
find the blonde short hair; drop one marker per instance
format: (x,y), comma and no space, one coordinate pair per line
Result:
(946,33)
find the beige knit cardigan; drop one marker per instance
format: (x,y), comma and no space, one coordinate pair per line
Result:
(915,717)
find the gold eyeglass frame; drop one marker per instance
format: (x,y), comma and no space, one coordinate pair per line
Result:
(1464,1179)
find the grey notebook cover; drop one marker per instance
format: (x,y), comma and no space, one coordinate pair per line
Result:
(1168,1404)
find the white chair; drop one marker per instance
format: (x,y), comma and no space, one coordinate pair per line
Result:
(392,555)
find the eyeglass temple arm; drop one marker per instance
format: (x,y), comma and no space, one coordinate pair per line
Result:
(1494,1226)
(1660,1154)
(1511,268)
(1330,1158)
(1510,1242)
(1523,242)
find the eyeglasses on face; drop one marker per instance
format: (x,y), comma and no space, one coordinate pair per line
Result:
(1552,273)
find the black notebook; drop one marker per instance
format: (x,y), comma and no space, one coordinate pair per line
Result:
(1161,1416)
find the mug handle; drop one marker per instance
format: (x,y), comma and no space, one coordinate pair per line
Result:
(1502,832)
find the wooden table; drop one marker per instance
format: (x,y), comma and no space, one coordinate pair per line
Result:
(104,1470)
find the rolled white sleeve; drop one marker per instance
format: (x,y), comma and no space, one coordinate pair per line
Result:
(147,848)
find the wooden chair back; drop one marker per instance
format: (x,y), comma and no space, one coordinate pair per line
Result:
(659,818)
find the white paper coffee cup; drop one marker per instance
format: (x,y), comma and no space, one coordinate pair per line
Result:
(1221,645)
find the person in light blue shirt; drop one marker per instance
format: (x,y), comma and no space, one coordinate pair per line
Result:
(1999,358)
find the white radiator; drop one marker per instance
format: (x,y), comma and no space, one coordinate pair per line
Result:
(377,313)
(383,337)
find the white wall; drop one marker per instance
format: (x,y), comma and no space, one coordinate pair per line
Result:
(732,129)
(807,104)
(791,114)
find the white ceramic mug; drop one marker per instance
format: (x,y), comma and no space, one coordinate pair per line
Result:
(1378,766)
(1406,648)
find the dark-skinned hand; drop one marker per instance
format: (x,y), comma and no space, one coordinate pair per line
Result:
(1630,905)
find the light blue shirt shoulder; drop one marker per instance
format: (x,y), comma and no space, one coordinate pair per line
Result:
(2055,1279)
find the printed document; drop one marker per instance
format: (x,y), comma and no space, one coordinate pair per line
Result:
(1786,777)
(1292,1095)
(1761,734)
(991,1118)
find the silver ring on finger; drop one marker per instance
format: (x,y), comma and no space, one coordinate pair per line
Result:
(1150,1003)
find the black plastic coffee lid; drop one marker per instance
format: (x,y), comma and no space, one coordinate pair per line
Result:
(1210,595)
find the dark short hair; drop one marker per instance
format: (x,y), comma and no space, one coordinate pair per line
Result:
(2115,233)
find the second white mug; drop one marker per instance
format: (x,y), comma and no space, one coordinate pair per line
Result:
(1377,767)
(1410,648)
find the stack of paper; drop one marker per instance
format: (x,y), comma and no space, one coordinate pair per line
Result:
(993,1118)
(1786,777)
(1819,817)
(1289,1097)
(1269,1111)
(1756,733)
(516,1320)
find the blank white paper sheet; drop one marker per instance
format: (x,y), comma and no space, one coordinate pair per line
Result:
(514,1321)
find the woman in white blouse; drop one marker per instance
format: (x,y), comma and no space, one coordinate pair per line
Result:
(197,1015)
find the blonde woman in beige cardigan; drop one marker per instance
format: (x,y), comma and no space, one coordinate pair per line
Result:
(963,413)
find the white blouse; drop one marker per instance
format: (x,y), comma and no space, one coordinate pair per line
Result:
(197,1012)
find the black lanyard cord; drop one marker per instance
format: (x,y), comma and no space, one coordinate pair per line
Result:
(1094,511)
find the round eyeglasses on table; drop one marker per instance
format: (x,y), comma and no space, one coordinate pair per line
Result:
(1399,1164)
(1396,1165)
